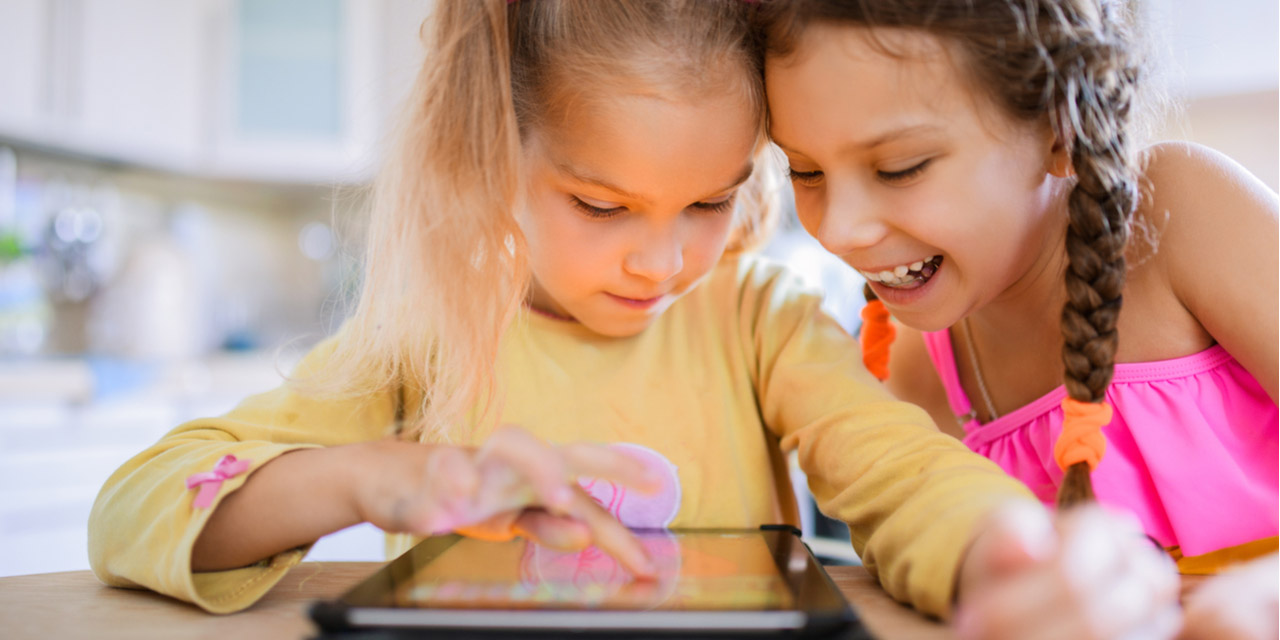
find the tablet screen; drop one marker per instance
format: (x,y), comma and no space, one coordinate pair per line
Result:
(703,571)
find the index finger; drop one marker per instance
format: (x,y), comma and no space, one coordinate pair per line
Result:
(610,536)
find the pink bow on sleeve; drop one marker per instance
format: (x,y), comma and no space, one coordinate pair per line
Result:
(210,482)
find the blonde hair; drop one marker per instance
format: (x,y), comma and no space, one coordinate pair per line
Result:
(446,270)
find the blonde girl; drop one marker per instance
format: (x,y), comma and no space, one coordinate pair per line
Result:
(557,244)
(976,162)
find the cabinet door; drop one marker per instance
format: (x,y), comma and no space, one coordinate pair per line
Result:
(25,90)
(295,99)
(143,79)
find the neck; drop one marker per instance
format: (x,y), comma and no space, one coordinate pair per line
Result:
(1029,312)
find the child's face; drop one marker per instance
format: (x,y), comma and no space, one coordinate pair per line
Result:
(631,203)
(899,167)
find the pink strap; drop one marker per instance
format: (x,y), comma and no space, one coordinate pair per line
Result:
(210,482)
(943,355)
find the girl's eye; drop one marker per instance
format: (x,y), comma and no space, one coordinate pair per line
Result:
(719,205)
(905,174)
(804,178)
(592,211)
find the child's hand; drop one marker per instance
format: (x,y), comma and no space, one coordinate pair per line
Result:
(1240,604)
(514,484)
(1089,574)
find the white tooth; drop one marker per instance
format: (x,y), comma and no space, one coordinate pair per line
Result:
(916,266)
(900,270)
(870,276)
(886,276)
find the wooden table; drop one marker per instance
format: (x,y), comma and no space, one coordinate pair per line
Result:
(76,605)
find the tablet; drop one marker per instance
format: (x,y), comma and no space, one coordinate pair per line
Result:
(756,582)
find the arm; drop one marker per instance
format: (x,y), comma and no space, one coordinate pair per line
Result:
(289,502)
(1220,250)
(317,466)
(144,525)
(515,483)
(913,498)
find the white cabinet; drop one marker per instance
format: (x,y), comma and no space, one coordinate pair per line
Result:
(122,80)
(277,90)
(140,86)
(296,88)
(24,70)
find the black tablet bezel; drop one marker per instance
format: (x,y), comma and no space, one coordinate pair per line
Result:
(819,606)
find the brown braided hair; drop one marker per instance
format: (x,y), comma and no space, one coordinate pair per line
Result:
(1071,65)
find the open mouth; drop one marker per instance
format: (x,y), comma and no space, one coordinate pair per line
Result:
(905,276)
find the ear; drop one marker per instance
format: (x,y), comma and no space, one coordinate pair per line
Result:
(1058,162)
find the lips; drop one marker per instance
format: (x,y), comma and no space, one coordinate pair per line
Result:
(636,303)
(637,298)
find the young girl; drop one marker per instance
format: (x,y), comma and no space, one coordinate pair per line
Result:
(579,168)
(968,158)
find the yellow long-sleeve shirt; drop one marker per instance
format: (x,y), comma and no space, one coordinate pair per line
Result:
(742,369)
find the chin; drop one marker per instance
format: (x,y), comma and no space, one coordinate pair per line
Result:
(618,329)
(926,321)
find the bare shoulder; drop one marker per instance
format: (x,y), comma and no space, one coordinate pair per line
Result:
(1198,204)
(1189,189)
(1216,249)
(913,378)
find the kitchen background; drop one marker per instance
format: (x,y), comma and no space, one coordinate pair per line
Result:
(178,181)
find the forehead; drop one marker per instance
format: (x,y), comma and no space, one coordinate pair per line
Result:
(859,81)
(655,147)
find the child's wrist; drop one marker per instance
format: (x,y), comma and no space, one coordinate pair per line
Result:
(348,469)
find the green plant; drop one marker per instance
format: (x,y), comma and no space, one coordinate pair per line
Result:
(10,247)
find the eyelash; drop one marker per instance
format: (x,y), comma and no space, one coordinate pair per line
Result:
(716,207)
(806,178)
(594,212)
(809,178)
(604,214)
(905,174)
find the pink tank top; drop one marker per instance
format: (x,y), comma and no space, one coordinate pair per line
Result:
(1191,450)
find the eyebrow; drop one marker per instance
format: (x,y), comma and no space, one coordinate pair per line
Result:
(882,139)
(582,176)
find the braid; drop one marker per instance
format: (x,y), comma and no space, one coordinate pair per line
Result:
(1097,80)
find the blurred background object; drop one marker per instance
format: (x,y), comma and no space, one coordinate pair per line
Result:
(178,181)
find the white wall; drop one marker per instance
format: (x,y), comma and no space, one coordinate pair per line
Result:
(1221,67)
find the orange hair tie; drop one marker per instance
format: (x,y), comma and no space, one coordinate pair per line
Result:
(1082,439)
(877,334)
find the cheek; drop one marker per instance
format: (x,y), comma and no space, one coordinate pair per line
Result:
(708,241)
(557,237)
(809,209)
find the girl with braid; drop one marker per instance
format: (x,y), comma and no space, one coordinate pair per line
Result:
(1099,320)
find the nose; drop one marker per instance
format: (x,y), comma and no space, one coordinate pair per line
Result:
(659,256)
(845,220)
